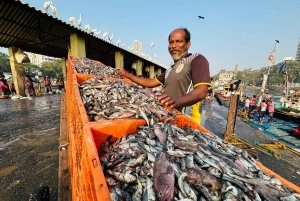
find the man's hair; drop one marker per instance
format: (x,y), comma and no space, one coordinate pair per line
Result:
(187,36)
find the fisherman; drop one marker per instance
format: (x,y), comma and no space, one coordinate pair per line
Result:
(263,109)
(186,83)
(271,111)
(252,103)
(247,104)
(293,105)
(267,97)
(47,83)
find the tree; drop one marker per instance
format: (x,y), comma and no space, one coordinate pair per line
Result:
(52,69)
(31,69)
(250,77)
(293,69)
(4,63)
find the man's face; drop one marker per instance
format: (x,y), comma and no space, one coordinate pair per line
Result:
(178,47)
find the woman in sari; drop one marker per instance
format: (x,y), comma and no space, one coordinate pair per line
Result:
(29,85)
(4,89)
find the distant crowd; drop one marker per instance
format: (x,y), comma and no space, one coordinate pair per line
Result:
(7,86)
(254,106)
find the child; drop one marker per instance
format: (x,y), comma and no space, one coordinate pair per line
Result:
(271,111)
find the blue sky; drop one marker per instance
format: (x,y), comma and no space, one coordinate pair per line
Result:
(233,31)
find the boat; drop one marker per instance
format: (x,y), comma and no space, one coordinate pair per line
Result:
(288,114)
(297,132)
(224,97)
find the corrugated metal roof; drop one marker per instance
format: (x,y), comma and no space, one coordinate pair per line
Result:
(32,30)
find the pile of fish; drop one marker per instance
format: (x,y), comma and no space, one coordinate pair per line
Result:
(165,162)
(116,99)
(87,66)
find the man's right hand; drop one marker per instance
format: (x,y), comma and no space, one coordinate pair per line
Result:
(122,72)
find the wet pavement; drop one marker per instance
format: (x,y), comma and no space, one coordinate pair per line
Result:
(29,140)
(288,168)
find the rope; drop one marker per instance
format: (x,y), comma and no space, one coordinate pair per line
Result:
(269,149)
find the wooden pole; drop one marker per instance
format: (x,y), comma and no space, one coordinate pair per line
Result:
(231,119)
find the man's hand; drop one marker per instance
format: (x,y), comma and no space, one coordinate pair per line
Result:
(122,72)
(167,101)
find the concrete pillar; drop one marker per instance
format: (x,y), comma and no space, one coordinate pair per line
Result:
(18,72)
(77,43)
(139,67)
(158,71)
(64,70)
(119,59)
(151,72)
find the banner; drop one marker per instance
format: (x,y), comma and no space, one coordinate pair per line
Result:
(272,55)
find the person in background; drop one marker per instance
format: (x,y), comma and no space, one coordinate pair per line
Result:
(47,83)
(252,103)
(29,85)
(293,105)
(4,88)
(267,97)
(282,100)
(263,109)
(247,104)
(59,84)
(11,86)
(186,82)
(271,111)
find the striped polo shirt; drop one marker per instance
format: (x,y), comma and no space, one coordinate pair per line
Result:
(183,77)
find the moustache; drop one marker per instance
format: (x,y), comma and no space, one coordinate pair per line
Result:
(171,50)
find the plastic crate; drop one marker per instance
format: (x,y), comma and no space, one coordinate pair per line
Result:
(87,178)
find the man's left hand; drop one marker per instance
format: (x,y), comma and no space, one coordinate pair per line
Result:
(167,101)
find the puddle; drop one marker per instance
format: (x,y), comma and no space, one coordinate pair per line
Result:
(7,171)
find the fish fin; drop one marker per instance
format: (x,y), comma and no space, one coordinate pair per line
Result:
(108,138)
